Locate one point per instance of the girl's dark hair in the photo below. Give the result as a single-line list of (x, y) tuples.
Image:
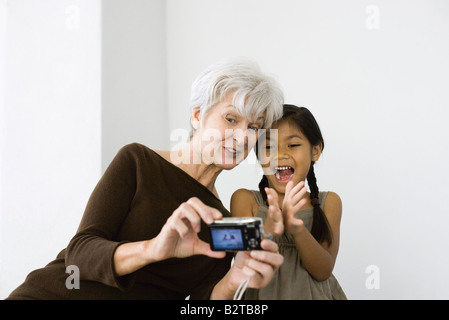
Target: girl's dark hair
[(303, 119)]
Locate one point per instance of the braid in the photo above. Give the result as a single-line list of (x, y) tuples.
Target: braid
[(320, 226), (262, 185), (314, 191)]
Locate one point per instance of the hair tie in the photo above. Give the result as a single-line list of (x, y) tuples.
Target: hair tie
[(315, 201)]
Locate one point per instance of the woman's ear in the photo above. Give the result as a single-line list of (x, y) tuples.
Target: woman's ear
[(195, 119), (316, 152)]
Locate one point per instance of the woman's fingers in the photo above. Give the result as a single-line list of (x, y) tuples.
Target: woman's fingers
[(272, 259), (207, 214), (204, 248), (181, 227), (179, 237), (261, 269), (191, 213), (269, 246), (261, 265)]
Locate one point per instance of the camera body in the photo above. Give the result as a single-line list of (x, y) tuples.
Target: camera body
[(236, 234)]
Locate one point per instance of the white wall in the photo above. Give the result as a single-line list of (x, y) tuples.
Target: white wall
[(374, 73), (2, 114), (50, 128), (134, 82), (81, 79)]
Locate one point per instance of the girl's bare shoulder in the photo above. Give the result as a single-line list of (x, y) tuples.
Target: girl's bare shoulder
[(333, 204), (243, 203)]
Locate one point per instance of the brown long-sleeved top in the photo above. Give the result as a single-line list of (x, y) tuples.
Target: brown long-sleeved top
[(131, 202)]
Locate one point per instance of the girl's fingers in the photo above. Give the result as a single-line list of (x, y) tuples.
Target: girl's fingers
[(275, 220), (296, 197), (273, 205), (289, 192), (288, 189), (300, 187), (272, 197), (293, 202), (297, 207)]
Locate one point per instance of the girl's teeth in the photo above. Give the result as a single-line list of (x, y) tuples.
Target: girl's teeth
[(278, 170)]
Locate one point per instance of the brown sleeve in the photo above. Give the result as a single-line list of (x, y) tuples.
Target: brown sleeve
[(92, 248)]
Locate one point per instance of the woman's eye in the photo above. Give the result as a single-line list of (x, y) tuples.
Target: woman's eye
[(253, 128), (294, 145), (230, 120)]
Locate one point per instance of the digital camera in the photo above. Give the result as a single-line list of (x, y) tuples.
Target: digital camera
[(236, 234)]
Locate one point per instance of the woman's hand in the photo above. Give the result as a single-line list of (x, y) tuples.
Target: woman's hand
[(258, 265), (294, 199), (179, 236), (177, 239)]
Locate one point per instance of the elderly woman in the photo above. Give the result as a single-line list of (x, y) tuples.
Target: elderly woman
[(143, 234)]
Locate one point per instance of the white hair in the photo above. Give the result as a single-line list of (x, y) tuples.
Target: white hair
[(254, 92)]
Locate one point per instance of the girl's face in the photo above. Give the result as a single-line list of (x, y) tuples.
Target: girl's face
[(288, 158), (225, 136)]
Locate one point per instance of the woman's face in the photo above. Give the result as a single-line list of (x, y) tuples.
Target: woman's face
[(288, 156), (225, 135)]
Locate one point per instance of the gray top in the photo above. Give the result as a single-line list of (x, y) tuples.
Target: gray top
[(292, 281)]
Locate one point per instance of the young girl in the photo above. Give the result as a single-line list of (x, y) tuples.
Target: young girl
[(305, 225)]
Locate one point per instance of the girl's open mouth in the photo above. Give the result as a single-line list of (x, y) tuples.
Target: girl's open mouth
[(283, 174)]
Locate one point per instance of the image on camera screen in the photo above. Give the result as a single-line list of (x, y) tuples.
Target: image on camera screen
[(227, 239)]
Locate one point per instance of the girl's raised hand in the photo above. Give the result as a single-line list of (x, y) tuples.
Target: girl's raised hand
[(274, 223), (294, 199)]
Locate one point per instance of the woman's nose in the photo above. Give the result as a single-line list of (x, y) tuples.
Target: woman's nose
[(240, 137)]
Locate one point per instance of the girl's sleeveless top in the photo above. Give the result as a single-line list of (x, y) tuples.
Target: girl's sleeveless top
[(292, 281)]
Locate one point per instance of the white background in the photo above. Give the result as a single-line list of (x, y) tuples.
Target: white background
[(80, 79)]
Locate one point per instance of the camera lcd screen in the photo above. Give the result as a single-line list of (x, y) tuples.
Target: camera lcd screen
[(227, 239)]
